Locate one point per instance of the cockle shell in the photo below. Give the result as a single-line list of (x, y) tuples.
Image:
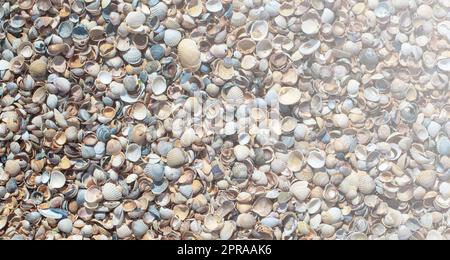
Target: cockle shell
[(172, 37), (135, 19), (289, 96), (189, 54), (111, 192), (176, 158), (246, 221), (300, 190), (57, 180)]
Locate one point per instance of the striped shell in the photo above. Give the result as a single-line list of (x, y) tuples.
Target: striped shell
[(111, 192), (159, 10), (426, 179), (176, 158), (133, 56), (172, 37)]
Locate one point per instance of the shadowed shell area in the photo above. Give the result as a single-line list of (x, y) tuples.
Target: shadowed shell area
[(224, 119)]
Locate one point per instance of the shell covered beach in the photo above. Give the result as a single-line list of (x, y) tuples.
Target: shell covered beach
[(224, 119)]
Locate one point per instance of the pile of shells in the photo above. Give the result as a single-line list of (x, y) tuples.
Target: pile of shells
[(220, 119)]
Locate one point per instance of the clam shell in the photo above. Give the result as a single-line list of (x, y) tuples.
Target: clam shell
[(259, 30), (309, 47), (57, 180), (316, 159), (135, 19), (12, 167), (300, 190), (65, 226), (176, 158), (214, 6), (38, 69), (262, 206), (139, 111), (134, 152), (246, 221), (289, 96), (159, 85), (189, 54)]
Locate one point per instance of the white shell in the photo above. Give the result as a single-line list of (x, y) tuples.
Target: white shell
[(135, 19), (159, 85), (105, 77), (172, 37), (111, 192), (57, 180), (300, 190), (189, 54), (259, 30), (316, 159), (133, 153)]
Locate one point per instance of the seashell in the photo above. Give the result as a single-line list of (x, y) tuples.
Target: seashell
[(264, 48), (444, 65), (310, 24), (213, 223), (259, 30), (426, 179), (159, 85), (57, 180), (262, 206), (111, 192), (228, 229), (4, 65), (133, 56), (65, 226), (316, 159), (105, 77), (213, 6), (133, 152), (246, 221), (135, 19), (176, 158), (139, 228), (12, 167), (139, 111), (332, 216), (443, 145), (38, 69), (309, 47), (300, 190), (159, 10), (289, 96), (172, 37), (189, 55)]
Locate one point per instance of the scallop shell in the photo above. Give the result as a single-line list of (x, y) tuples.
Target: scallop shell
[(111, 192), (189, 54), (57, 180)]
